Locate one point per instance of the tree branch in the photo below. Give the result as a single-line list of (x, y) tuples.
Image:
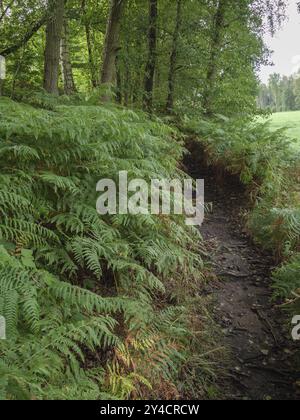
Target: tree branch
[(27, 37)]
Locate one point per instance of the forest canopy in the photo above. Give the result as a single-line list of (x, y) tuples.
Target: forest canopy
[(165, 55)]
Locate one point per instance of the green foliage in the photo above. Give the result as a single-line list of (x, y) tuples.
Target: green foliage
[(287, 282), (247, 149), (47, 324), (78, 290), (281, 94), (232, 59)]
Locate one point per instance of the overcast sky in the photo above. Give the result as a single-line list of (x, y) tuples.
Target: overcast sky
[(286, 46)]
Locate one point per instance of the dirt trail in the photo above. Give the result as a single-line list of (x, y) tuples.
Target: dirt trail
[(255, 330)]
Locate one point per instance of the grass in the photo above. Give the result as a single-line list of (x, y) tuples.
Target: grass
[(290, 120)]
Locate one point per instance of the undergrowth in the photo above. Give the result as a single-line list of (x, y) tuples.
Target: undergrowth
[(95, 307)]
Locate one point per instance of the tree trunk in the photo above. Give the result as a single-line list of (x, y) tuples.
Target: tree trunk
[(67, 71), (127, 86), (119, 95), (108, 73), (92, 66), (1, 86), (2, 73), (2, 62), (52, 51), (151, 63), (216, 44), (173, 59)]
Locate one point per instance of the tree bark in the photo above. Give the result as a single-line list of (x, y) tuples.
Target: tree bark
[(127, 85), (216, 44), (92, 66), (67, 71), (52, 51), (88, 35), (173, 59), (108, 72), (119, 93), (151, 63)]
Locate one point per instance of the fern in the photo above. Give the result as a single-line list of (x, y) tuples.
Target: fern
[(79, 291), (287, 282)]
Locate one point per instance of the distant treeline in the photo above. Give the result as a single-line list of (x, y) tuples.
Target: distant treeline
[(281, 94)]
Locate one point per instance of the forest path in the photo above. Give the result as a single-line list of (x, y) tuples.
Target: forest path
[(255, 329)]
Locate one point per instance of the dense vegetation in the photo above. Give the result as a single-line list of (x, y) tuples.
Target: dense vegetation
[(72, 283), (109, 307), (164, 54)]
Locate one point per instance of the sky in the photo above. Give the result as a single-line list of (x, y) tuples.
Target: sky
[(286, 46)]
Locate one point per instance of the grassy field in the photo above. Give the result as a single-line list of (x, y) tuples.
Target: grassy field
[(291, 120)]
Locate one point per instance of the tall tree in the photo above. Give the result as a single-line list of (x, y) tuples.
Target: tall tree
[(52, 51), (152, 54), (89, 43), (215, 47), (173, 58), (67, 71), (274, 84), (108, 72)]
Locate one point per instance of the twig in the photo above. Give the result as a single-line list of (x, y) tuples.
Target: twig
[(267, 322), (289, 302), (212, 351), (245, 375), (232, 274), (267, 369), (237, 380)]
